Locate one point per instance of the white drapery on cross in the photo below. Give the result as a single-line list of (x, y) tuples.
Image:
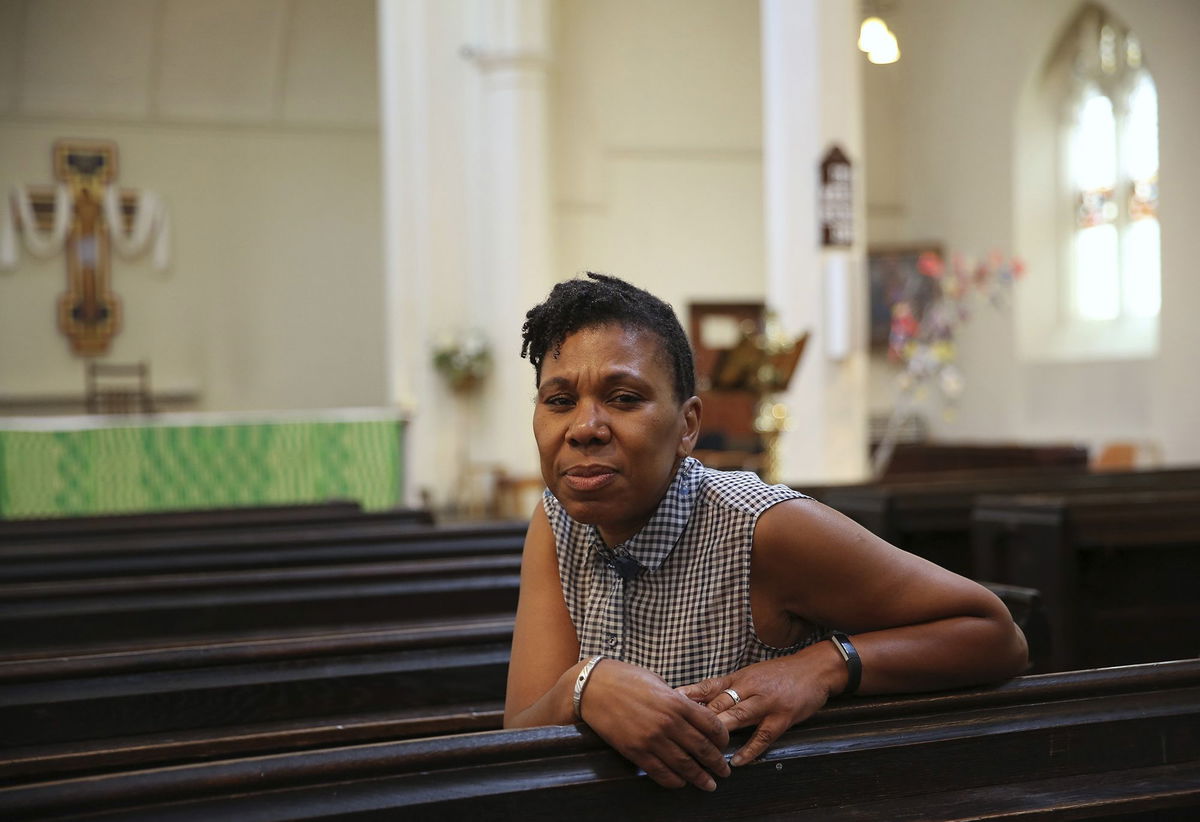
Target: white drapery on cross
[(151, 221)]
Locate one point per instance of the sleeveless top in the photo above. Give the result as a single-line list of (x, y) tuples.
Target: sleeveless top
[(675, 598)]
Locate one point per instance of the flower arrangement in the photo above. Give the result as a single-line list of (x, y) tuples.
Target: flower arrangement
[(923, 341), (463, 361), (922, 333)]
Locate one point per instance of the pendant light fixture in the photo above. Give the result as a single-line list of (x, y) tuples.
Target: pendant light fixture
[(874, 36)]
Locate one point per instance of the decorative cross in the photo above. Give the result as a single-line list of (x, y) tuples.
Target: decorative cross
[(88, 215)]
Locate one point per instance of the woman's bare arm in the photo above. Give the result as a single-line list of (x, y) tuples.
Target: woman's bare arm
[(545, 649), (916, 626)]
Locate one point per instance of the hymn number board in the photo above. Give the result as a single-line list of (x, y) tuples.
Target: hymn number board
[(836, 199)]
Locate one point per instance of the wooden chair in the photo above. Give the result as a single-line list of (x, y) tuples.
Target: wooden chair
[(1127, 455), (515, 496), (118, 388)]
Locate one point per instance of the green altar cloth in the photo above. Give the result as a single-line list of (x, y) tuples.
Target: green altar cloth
[(60, 466)]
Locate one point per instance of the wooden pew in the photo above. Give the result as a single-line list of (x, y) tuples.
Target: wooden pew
[(366, 537), (925, 458), (1085, 745), (932, 518), (55, 528), (140, 609), (155, 704), (264, 687), (1118, 572), (192, 681), (38, 763), (120, 611)]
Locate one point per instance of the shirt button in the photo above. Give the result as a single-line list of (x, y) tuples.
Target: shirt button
[(611, 641)]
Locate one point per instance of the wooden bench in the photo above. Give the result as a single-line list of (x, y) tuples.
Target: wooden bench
[(1118, 572), (172, 681), (173, 702), (1086, 745), (925, 458), (122, 610), (366, 537), (259, 685), (118, 611), (932, 518), (37, 763), (55, 528)]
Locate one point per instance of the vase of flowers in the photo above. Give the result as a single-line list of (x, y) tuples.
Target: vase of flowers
[(922, 335), (463, 360)]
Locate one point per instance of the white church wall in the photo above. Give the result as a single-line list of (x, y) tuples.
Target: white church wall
[(657, 129), (466, 246), (966, 65), (658, 123), (256, 124), (1173, 32)]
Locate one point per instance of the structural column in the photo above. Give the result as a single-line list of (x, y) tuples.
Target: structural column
[(407, 298), (513, 63), (466, 224), (811, 101)]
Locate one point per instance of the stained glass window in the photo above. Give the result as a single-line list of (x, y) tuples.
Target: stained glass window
[(1111, 146)]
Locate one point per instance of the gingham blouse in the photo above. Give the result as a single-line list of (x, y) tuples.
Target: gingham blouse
[(676, 597)]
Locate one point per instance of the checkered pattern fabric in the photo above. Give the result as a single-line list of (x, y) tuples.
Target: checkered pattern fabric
[(676, 597)]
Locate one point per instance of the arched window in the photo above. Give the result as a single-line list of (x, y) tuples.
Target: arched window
[(1110, 141), (1105, 224)]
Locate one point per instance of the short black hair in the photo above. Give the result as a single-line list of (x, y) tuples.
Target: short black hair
[(574, 305)]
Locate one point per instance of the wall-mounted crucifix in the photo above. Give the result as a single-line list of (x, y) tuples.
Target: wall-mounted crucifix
[(87, 215)]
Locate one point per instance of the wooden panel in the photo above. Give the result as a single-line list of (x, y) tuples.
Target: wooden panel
[(931, 517), (1084, 745), (1117, 571), (47, 712), (369, 537), (931, 457), (28, 530)]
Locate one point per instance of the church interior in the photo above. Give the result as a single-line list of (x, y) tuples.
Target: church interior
[(269, 260)]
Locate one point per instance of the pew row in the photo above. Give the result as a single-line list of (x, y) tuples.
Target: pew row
[(1117, 572), (252, 692), (366, 537), (53, 616), (56, 528), (95, 711), (1083, 745), (917, 459), (50, 700), (116, 612), (92, 757), (932, 518)]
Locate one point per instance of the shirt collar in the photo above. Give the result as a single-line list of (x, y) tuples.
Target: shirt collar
[(651, 546)]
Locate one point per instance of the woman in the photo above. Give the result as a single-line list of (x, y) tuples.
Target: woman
[(666, 604)]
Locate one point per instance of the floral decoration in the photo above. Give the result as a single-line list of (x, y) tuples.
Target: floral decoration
[(922, 334), (463, 361), (923, 340)]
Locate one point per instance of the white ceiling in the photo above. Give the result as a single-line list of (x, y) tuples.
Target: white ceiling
[(282, 62)]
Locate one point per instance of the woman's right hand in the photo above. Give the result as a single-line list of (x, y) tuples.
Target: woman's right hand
[(674, 740)]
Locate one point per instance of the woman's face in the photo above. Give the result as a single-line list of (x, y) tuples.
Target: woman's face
[(609, 429)]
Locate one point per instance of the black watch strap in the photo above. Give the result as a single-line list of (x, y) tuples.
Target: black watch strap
[(851, 658)]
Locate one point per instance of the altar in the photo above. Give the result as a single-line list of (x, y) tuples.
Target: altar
[(62, 466)]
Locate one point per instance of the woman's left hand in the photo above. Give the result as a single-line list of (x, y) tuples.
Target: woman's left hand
[(774, 695)]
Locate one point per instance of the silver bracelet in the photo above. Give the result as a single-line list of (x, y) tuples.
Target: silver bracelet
[(581, 683)]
